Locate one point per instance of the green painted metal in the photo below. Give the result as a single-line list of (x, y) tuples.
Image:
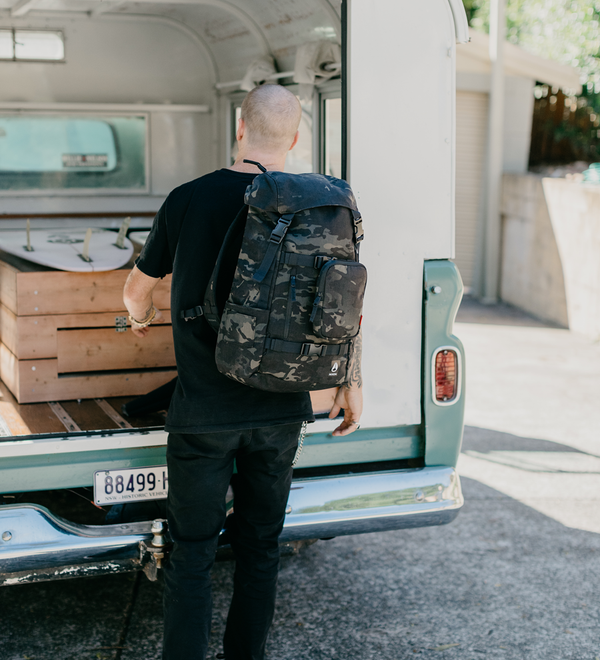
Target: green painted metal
[(363, 446), (71, 470), (443, 425), (76, 469)]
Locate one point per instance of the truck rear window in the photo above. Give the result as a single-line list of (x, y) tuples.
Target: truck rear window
[(64, 152)]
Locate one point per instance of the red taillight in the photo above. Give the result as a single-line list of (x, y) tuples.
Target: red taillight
[(446, 375)]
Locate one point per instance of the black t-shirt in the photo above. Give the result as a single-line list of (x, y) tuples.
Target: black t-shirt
[(186, 237)]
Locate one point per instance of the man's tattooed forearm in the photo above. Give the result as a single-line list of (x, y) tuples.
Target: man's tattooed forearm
[(354, 376)]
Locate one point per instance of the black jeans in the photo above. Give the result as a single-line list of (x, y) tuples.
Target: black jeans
[(200, 470)]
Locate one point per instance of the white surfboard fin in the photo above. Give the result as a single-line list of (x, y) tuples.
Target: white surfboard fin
[(28, 246), (120, 242), (85, 253)]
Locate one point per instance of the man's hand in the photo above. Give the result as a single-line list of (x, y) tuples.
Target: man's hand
[(140, 331), (137, 296), (351, 401), (349, 396)]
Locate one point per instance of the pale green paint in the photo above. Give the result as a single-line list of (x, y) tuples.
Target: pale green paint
[(443, 425), (72, 470), (363, 446)]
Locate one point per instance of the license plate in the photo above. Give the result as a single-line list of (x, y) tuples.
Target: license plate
[(131, 485)]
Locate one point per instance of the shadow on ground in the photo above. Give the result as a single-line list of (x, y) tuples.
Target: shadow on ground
[(502, 581)]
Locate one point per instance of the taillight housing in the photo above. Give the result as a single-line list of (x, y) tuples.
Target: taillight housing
[(446, 375)]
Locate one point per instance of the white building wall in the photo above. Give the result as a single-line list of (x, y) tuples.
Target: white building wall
[(472, 121), (518, 114)]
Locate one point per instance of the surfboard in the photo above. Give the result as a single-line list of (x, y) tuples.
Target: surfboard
[(139, 237), (65, 249)]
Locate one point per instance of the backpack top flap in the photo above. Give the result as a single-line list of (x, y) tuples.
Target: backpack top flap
[(284, 193)]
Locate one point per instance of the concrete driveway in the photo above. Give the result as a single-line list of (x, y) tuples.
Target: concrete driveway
[(516, 576)]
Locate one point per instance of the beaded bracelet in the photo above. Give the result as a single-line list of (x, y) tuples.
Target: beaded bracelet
[(146, 322)]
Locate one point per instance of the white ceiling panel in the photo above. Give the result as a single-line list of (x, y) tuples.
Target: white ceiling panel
[(235, 31)]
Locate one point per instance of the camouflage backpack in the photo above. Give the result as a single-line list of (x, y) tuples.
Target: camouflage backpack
[(295, 304)]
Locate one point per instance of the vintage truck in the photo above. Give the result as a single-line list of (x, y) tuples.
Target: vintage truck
[(117, 103)]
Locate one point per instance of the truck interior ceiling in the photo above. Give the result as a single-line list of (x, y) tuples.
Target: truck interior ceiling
[(105, 107)]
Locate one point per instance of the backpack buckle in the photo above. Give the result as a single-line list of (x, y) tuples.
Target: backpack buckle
[(191, 314), (312, 349), (359, 234), (280, 230)]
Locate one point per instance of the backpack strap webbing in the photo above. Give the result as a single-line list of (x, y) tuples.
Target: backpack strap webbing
[(306, 260), (277, 235), (211, 309), (299, 348)]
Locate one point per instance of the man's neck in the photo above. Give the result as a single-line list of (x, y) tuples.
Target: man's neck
[(272, 162)]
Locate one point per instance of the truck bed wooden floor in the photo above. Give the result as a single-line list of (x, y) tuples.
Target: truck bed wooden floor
[(67, 416)]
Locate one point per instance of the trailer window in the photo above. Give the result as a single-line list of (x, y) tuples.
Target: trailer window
[(6, 45), (57, 152), (32, 45)]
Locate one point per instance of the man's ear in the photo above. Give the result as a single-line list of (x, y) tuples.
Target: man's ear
[(241, 129), (295, 141)]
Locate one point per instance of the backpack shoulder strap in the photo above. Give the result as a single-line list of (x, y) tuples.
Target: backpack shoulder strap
[(210, 310)]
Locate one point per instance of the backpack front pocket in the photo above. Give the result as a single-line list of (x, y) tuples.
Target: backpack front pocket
[(337, 307), (241, 340)]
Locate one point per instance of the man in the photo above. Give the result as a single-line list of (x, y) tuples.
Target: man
[(213, 420)]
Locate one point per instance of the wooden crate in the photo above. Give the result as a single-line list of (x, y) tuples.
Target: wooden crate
[(66, 335), (27, 289)]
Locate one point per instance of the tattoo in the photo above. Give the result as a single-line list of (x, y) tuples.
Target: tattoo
[(148, 312), (147, 315), (354, 376)]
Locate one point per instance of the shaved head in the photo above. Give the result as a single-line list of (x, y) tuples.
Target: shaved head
[(271, 114)]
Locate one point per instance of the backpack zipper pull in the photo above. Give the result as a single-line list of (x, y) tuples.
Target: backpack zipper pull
[(293, 288), (315, 308)]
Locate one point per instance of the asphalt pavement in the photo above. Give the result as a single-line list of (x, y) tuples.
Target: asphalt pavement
[(514, 577)]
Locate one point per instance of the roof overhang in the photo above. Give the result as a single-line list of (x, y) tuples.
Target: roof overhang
[(474, 57)]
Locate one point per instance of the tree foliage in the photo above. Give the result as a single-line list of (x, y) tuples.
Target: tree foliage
[(567, 31)]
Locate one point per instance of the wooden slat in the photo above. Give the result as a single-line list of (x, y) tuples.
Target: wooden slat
[(32, 381), (28, 289), (9, 331), (29, 418), (13, 420), (8, 285), (113, 414), (78, 293), (103, 349), (88, 416), (30, 337), (138, 421), (64, 417)]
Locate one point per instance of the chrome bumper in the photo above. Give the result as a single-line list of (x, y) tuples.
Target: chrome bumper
[(373, 502), (36, 546)]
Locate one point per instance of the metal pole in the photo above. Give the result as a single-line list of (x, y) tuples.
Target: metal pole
[(493, 228)]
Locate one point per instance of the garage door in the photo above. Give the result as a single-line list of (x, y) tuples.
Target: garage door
[(471, 136)]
